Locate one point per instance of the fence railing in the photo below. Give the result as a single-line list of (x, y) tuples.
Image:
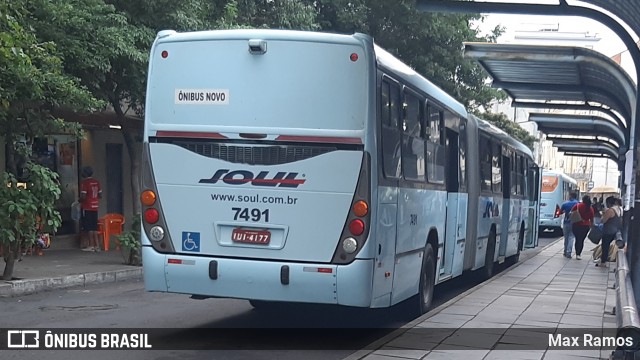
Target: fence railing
[(628, 322)]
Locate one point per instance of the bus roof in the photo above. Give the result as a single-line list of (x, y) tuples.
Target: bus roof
[(565, 177), (165, 36), (398, 68), (498, 133)]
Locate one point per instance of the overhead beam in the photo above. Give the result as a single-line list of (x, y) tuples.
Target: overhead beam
[(568, 124), (565, 88), (574, 107)]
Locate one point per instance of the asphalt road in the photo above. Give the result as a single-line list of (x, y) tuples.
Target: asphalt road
[(127, 305)]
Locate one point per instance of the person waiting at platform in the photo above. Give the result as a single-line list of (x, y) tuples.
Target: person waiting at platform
[(612, 223), (569, 238), (581, 228)]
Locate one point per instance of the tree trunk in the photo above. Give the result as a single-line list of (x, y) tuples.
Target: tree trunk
[(133, 147), (10, 260), (134, 150)]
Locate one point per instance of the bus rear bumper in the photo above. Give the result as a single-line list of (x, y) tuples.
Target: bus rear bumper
[(349, 285), (551, 223)]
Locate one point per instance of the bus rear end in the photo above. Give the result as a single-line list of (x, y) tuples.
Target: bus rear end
[(550, 202), (256, 184)]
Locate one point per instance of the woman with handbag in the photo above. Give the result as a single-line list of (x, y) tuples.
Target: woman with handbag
[(581, 228), (612, 223)]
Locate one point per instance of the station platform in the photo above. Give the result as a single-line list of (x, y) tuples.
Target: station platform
[(514, 314)]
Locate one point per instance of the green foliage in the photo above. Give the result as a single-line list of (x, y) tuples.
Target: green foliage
[(25, 213), (130, 242), (510, 127), (32, 80), (431, 43)]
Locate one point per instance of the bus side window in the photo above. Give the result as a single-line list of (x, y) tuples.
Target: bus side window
[(463, 156), (390, 113), (514, 174), (521, 175), (496, 171), (435, 148), (485, 163), (413, 154)]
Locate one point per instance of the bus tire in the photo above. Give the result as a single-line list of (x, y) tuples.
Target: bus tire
[(490, 265), (427, 280)]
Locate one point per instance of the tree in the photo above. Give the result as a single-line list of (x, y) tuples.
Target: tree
[(428, 42), (512, 128), (107, 53), (32, 84), (275, 14)]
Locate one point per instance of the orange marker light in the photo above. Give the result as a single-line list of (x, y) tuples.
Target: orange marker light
[(148, 198), (360, 208)]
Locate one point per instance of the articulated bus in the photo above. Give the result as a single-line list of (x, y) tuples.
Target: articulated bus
[(288, 166), (556, 187)]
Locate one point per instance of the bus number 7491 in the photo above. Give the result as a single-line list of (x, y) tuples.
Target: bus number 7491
[(251, 214)]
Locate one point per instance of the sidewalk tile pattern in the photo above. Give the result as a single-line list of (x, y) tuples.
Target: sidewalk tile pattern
[(544, 292)]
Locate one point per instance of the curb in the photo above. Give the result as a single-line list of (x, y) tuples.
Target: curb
[(376, 345), (32, 286)]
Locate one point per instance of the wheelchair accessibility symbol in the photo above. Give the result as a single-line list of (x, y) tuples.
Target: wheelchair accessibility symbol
[(190, 241)]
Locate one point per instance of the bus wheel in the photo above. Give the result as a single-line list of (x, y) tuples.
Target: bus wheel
[(489, 264), (427, 280)]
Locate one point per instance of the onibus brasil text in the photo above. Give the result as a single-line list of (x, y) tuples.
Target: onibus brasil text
[(95, 341)]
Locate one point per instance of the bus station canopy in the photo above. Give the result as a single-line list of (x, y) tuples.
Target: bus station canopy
[(562, 78)]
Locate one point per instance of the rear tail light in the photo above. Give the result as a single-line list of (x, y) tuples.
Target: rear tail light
[(558, 211), (148, 198), (349, 245), (356, 229), (151, 216), (154, 224), (360, 208)]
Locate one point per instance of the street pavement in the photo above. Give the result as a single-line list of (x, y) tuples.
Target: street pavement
[(62, 268), (512, 315)]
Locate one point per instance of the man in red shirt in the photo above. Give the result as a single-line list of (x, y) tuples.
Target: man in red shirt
[(90, 194)]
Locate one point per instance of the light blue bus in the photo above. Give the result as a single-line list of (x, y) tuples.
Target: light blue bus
[(287, 166), (556, 187)]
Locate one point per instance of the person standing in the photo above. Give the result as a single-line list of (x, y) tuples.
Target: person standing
[(569, 238), (597, 210), (612, 223), (581, 228), (90, 194)]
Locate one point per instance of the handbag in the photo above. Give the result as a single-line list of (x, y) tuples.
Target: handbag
[(575, 216), (595, 234)]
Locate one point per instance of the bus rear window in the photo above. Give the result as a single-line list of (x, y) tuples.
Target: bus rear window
[(549, 183)]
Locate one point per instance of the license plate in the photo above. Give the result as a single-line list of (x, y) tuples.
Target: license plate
[(246, 236)]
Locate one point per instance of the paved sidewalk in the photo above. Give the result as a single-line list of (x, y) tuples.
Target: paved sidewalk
[(521, 306), (66, 268)]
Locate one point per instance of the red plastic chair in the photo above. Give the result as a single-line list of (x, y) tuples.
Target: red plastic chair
[(110, 224)]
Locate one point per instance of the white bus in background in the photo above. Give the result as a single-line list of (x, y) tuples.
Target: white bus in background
[(556, 187), (286, 166)]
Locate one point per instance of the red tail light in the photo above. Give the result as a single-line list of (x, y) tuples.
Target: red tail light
[(356, 227), (151, 216), (558, 211)]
